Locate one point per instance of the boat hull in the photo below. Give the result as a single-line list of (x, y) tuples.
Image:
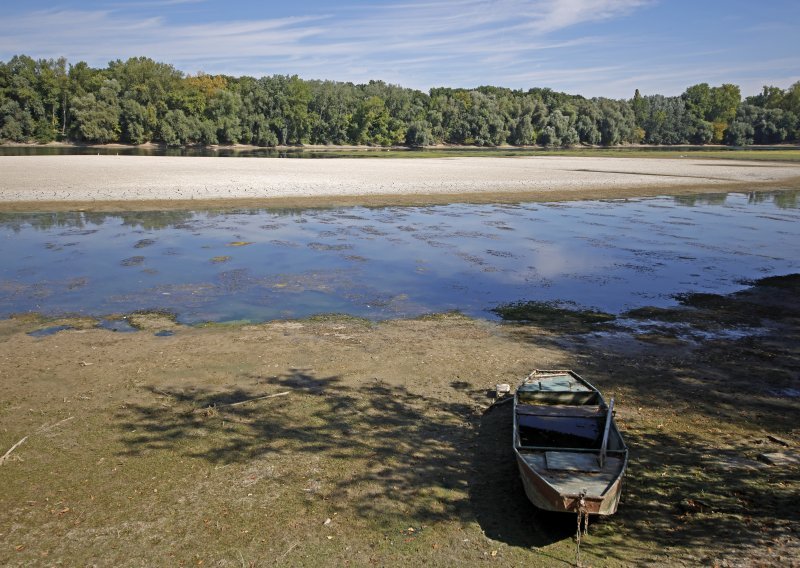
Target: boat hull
[(544, 496)]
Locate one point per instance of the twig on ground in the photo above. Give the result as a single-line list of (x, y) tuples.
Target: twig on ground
[(288, 550), (46, 428), (14, 447), (284, 393)]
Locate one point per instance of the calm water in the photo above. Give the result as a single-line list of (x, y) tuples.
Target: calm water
[(394, 262)]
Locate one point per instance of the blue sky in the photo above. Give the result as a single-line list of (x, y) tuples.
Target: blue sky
[(589, 47)]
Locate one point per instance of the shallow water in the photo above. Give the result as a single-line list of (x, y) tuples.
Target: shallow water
[(390, 262)]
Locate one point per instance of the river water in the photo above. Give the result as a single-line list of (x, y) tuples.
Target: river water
[(380, 263)]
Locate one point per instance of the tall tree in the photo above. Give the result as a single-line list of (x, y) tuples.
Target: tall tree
[(97, 117)]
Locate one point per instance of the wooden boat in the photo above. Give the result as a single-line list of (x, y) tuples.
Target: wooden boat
[(570, 453)]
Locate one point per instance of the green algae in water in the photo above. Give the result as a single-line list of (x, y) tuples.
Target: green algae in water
[(551, 316), (133, 261)]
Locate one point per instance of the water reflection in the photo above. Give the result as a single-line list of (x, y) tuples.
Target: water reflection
[(396, 261)]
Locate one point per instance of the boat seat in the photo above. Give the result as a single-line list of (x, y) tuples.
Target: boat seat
[(562, 411)]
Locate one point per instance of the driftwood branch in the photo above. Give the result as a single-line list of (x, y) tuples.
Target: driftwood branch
[(14, 447), (239, 403)]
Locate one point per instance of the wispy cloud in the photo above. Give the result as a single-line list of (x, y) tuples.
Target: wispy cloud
[(402, 36), (417, 43), (552, 15), (84, 34)]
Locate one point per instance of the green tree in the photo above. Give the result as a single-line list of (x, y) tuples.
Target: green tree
[(769, 97), (791, 99), (666, 120), (641, 109), (558, 131), (523, 133), (53, 90), (769, 125), (133, 122), (698, 99), (739, 134), (177, 129), (418, 134), (298, 123), (486, 122), (702, 132), (615, 121), (223, 112), (587, 130), (724, 104), (25, 114), (330, 110), (16, 123), (370, 124), (258, 112), (146, 81), (97, 117)]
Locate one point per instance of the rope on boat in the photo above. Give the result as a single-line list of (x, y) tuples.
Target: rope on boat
[(583, 519)]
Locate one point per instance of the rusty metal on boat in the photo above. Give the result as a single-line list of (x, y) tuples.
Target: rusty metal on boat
[(570, 454)]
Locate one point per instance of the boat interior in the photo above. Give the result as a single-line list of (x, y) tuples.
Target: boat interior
[(564, 413), (561, 425)]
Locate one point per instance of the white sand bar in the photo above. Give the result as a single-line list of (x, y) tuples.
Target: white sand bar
[(128, 178)]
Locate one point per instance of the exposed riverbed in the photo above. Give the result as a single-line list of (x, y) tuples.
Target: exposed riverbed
[(104, 182)]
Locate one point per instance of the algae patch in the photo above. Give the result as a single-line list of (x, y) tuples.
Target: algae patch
[(153, 320), (550, 315)]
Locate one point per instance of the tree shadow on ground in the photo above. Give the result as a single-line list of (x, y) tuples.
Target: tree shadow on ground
[(695, 502), (495, 489), (385, 450), (388, 452)]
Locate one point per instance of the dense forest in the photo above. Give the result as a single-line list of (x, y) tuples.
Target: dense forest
[(141, 100)]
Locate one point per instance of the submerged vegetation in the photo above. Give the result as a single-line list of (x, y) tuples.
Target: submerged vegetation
[(767, 298), (141, 100)]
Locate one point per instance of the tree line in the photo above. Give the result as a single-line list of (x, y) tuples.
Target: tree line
[(141, 100)]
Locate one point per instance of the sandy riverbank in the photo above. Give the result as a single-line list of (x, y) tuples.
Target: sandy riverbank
[(144, 181)]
